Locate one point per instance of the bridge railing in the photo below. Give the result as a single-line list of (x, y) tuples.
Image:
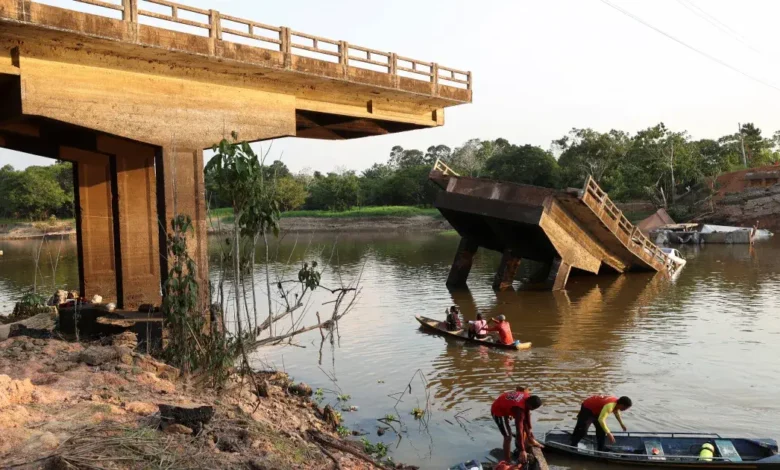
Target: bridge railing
[(288, 41), (443, 168), (612, 217)]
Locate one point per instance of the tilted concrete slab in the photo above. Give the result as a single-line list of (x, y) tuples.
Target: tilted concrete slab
[(563, 229)]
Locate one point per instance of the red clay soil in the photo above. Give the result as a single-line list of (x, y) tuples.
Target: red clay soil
[(734, 182), (69, 405)]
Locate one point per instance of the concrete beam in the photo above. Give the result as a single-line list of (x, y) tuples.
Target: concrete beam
[(157, 110), (461, 266)]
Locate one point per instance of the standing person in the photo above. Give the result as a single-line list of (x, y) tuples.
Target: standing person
[(478, 327), (503, 328), (517, 405), (596, 409)]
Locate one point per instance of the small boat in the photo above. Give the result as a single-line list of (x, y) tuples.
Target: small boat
[(436, 326), (672, 450)]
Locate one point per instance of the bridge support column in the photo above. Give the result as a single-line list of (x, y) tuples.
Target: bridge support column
[(181, 189), (505, 275), (461, 266), (559, 274), (95, 230), (135, 216)]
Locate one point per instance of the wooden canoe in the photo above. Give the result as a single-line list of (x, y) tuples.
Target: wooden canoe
[(436, 326)]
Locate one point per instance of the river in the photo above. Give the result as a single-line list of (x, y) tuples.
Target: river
[(697, 354)]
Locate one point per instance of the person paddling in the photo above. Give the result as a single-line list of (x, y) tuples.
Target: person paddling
[(503, 328), (517, 405), (596, 409)]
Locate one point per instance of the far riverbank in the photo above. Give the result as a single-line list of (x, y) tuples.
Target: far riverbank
[(415, 220)]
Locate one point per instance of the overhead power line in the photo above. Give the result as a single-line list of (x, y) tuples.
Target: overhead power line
[(721, 26), (694, 49)]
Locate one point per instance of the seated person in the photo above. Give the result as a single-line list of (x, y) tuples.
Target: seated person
[(504, 330), (478, 328), (453, 319)]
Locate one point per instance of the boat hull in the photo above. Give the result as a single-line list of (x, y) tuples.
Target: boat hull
[(675, 450), (433, 326)]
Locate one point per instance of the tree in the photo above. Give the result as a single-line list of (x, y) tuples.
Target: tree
[(291, 192), (525, 164), (277, 169), (438, 152), (400, 158), (585, 152), (238, 176), (335, 191), (469, 159)]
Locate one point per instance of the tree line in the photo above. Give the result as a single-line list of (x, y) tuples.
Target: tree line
[(656, 164), (37, 192)]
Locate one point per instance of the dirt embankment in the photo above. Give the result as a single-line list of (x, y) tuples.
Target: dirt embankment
[(420, 223), (71, 405), (747, 207), (22, 230)]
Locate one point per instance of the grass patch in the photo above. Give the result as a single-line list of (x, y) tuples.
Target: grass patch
[(226, 214)]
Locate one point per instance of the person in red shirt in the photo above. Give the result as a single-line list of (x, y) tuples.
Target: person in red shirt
[(517, 405), (503, 328), (596, 409)]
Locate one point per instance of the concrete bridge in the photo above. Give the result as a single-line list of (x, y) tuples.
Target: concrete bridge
[(560, 230), (132, 102)]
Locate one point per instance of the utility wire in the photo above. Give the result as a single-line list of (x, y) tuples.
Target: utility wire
[(721, 26), (698, 51)]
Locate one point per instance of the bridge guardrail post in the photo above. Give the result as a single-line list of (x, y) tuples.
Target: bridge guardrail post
[(286, 38), (344, 57), (435, 78), (215, 25)]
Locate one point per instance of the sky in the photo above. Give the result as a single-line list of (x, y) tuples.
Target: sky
[(541, 68)]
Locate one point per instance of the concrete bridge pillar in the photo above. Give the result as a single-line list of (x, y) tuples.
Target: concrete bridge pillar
[(559, 274), (461, 266), (95, 230), (507, 268), (127, 193)]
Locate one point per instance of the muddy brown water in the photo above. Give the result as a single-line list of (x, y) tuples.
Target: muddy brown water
[(697, 354)]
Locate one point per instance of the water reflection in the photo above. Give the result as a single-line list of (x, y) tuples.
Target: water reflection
[(696, 354)]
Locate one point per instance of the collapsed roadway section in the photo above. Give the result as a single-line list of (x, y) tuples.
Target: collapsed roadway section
[(560, 230)]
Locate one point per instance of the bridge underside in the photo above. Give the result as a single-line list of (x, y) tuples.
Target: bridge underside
[(133, 106), (555, 229)]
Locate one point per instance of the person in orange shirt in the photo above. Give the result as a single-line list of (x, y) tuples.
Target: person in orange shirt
[(503, 328)]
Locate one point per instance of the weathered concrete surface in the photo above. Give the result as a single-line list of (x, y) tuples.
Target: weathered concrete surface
[(559, 229), (133, 106), (94, 222), (188, 71)]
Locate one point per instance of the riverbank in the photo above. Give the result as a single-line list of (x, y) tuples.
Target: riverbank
[(70, 405), (414, 220)]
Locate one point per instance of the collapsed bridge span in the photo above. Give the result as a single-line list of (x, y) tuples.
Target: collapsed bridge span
[(560, 230)]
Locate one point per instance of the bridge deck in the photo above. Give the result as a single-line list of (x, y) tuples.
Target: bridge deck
[(561, 229)]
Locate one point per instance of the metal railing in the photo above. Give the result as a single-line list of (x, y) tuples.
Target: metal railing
[(632, 238), (288, 41)]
